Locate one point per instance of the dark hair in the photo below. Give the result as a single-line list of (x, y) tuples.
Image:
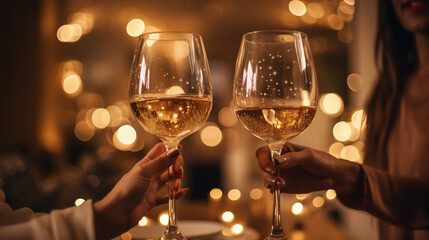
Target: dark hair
[(396, 59)]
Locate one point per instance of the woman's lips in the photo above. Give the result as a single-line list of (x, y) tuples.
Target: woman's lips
[(415, 5)]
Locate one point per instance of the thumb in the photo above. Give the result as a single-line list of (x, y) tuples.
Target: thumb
[(159, 164)]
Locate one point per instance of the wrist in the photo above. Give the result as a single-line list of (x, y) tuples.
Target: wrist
[(349, 181), (108, 221)]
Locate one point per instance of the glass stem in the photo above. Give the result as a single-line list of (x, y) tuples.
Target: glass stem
[(172, 228), (276, 231)]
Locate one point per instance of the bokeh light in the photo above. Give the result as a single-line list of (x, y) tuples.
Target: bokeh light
[(69, 33), (318, 201), (211, 135), (351, 153), (315, 10), (255, 193), (83, 131), (72, 84), (297, 208), (85, 20), (126, 236), (143, 222), (100, 118), (127, 134), (331, 194), (342, 131), (216, 193), (237, 228), (335, 149), (297, 8), (301, 196), (227, 117), (163, 219), (332, 104), (354, 82), (227, 216), (350, 2), (234, 194), (335, 22), (135, 27), (79, 202), (358, 118)]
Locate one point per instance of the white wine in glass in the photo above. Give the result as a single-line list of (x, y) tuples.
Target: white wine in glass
[(275, 94), (170, 95)]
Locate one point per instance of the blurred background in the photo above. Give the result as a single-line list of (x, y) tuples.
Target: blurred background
[(67, 133)]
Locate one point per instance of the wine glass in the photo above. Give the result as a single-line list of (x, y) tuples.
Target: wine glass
[(275, 94), (170, 95)]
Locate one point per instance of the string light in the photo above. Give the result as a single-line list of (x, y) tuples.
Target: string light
[(100, 118), (72, 84), (318, 201), (301, 196), (354, 82), (358, 118), (332, 104), (69, 33), (297, 8), (335, 149), (227, 117), (342, 131)]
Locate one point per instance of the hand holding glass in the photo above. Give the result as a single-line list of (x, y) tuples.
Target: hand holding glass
[(170, 94), (275, 94)]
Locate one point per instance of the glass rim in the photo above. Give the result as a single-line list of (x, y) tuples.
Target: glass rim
[(185, 35), (272, 32)]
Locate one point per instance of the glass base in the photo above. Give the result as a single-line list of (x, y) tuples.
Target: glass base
[(276, 234), (172, 233)]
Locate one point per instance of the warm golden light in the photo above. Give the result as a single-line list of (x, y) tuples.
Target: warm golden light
[(227, 117), (163, 219), (301, 196), (83, 131), (85, 20), (70, 66), (234, 194), (227, 216), (126, 134), (331, 194), (174, 90), (297, 8), (72, 84), (115, 115), (351, 153), (308, 19), (332, 104), (143, 222), (342, 131), (256, 193), (315, 10), (297, 208), (335, 22), (211, 135), (237, 228), (135, 27), (79, 202), (318, 201), (69, 33), (358, 118), (216, 193), (126, 236), (350, 2), (354, 82), (335, 149), (100, 118)]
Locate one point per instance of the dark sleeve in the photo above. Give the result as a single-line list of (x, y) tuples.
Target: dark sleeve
[(402, 201)]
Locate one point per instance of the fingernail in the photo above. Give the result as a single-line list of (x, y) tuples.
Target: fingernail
[(281, 182), (270, 170), (280, 160), (173, 153)]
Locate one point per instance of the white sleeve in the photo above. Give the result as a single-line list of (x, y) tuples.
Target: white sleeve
[(70, 223)]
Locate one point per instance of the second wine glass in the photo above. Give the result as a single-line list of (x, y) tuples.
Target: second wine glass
[(170, 95), (275, 94)]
